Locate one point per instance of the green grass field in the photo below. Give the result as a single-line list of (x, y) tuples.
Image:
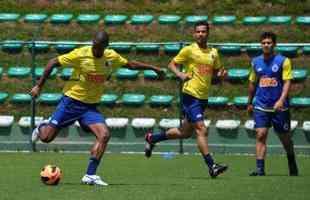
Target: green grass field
[(134, 177)]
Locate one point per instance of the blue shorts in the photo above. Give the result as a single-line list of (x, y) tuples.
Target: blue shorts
[(193, 108), (69, 110), (281, 121)]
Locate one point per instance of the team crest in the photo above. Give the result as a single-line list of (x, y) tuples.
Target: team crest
[(275, 68)]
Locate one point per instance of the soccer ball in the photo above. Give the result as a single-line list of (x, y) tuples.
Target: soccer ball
[(50, 175)]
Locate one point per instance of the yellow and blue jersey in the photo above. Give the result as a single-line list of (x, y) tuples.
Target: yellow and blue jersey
[(199, 64), (269, 76), (86, 83)]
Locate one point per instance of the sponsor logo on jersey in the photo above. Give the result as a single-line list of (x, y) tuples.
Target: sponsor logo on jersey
[(268, 82), (96, 78)]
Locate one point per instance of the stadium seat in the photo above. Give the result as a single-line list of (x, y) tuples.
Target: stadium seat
[(147, 48), (300, 102), (230, 50), (249, 128), (241, 101), (108, 99), (61, 18), (21, 98), (224, 20), (121, 47), (66, 73), (19, 72), (217, 101), (133, 100), (87, 18), (124, 73), (12, 46), (299, 74), (287, 51), (50, 98), (279, 20), (172, 48), (1, 72), (6, 123), (35, 18), (39, 47), (40, 70), (161, 100), (141, 19), (25, 123), (236, 74), (294, 125), (254, 20), (115, 19), (253, 51), (167, 123), (306, 126), (303, 20), (3, 97), (9, 17), (193, 19), (228, 128), (142, 125), (169, 19), (306, 50), (117, 126), (65, 46), (150, 74)]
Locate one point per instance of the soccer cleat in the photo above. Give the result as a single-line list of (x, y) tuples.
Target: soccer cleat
[(293, 169), (93, 180), (257, 173), (149, 146), (217, 169)]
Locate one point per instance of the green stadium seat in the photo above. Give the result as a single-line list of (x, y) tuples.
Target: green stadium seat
[(238, 74), (133, 99), (253, 51), (117, 126), (9, 17), (19, 72), (65, 46), (21, 98), (108, 99), (299, 74), (61, 18), (306, 126), (39, 47), (150, 74), (35, 18), (254, 20), (288, 51), (50, 98), (193, 19), (3, 97), (228, 128), (303, 20), (66, 73), (167, 123), (306, 50), (12, 46), (25, 123), (115, 19), (141, 19), (279, 20), (6, 124), (230, 50), (121, 47), (161, 100), (124, 73), (87, 19), (40, 70), (172, 48), (1, 72), (224, 20), (300, 102), (217, 101), (241, 101), (142, 125), (169, 19), (147, 48)]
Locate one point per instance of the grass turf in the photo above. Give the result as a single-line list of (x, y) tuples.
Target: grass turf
[(134, 177)]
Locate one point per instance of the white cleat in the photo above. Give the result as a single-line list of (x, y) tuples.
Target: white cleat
[(93, 180)]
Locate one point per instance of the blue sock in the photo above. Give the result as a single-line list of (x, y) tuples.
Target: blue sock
[(159, 137), (260, 165), (209, 160), (92, 165)]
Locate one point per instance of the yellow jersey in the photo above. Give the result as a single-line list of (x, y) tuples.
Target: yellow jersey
[(199, 64), (86, 83)]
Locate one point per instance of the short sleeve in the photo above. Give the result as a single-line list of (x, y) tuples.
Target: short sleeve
[(70, 59), (182, 56), (114, 58), (252, 76), (287, 70)]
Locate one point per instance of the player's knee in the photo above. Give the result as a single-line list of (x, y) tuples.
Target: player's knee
[(104, 137), (261, 137), (201, 130)]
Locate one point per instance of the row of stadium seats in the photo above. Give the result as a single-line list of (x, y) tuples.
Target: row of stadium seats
[(234, 74), (147, 19), (132, 99), (230, 49)]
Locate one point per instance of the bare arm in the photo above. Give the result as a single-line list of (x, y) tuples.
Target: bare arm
[(279, 104), (174, 67), (141, 65), (251, 93)]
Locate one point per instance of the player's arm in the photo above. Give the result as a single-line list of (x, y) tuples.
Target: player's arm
[(175, 64), (219, 71), (140, 65), (251, 90)]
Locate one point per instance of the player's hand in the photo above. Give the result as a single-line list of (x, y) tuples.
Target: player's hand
[(35, 91), (250, 109), (222, 73), (278, 106), (183, 76)]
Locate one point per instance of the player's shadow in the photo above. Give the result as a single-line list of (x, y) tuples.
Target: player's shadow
[(143, 184)]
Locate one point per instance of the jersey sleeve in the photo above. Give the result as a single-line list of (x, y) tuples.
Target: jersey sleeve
[(70, 59), (252, 76), (182, 56), (115, 59), (287, 73)]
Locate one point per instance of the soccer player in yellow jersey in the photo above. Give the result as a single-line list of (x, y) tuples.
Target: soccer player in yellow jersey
[(92, 65), (201, 63)]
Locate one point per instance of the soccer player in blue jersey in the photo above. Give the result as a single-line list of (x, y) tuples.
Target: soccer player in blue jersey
[(201, 63), (269, 84), (92, 67)]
